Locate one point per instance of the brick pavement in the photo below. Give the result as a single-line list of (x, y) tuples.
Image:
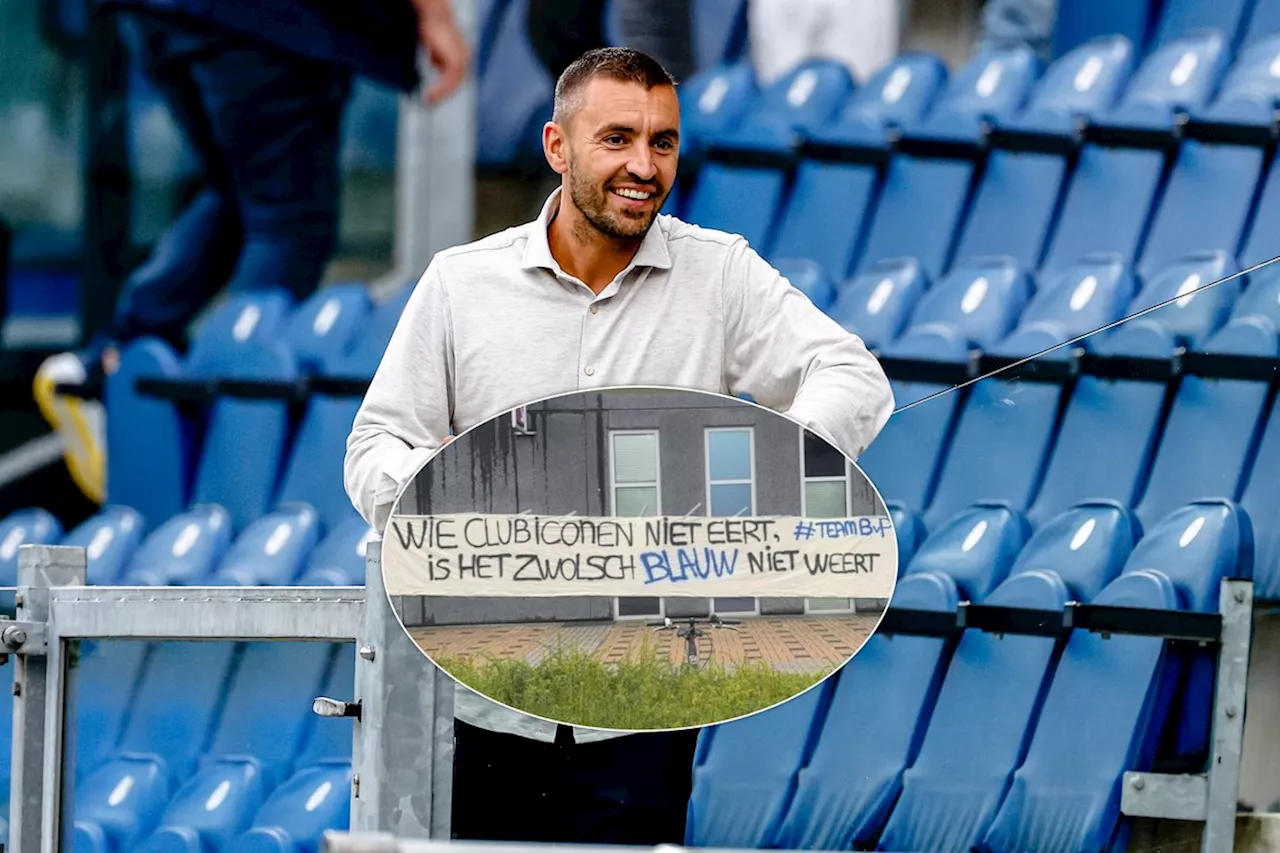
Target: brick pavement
[(790, 643)]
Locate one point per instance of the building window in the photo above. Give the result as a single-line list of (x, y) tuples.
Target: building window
[(635, 491), (825, 494), (731, 491)]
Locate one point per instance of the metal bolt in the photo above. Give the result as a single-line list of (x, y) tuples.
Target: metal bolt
[(1139, 784), (366, 652), (14, 637), (1231, 712)]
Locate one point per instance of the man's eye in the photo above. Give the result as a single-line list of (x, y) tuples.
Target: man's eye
[(614, 140)]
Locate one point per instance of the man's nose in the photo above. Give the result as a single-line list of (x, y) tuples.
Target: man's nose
[(641, 164)]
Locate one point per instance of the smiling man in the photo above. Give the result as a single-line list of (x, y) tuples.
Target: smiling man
[(600, 290)]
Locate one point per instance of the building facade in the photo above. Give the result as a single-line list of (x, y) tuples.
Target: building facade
[(635, 452)]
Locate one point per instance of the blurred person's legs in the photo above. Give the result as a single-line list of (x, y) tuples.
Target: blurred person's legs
[(265, 126), (862, 34), (560, 31)]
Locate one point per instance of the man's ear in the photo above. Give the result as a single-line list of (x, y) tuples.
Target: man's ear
[(554, 141)]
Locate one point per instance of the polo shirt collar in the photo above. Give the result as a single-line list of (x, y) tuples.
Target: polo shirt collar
[(653, 251)]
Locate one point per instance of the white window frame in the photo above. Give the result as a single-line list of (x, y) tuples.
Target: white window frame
[(613, 506), (805, 480), (751, 481)]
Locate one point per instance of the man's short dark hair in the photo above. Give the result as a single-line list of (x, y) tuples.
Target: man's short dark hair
[(614, 63)]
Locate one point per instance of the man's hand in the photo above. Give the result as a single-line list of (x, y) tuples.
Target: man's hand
[(446, 47)]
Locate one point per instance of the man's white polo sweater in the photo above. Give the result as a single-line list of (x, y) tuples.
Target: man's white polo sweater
[(496, 324)]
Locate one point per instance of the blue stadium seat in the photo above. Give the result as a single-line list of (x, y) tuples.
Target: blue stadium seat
[(883, 701), (1181, 17), (209, 811), (118, 806), (711, 102), (810, 279), (1217, 417), (1264, 22), (876, 303), (1078, 300), (110, 539), (33, 526), (991, 694), (1110, 424), (1258, 497), (107, 676), (271, 551), (824, 218), (719, 31), (298, 813), (978, 304), (744, 198), (1079, 21), (908, 530), (1017, 198), (1108, 201), (924, 197), (327, 323), (339, 559), (329, 739), (183, 551), (1197, 310), (1110, 697), (745, 775), (139, 427), (1260, 296), (513, 93)]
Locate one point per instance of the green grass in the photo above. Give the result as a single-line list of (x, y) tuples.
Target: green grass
[(647, 692)]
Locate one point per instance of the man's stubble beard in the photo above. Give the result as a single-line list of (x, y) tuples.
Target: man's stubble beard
[(592, 200)]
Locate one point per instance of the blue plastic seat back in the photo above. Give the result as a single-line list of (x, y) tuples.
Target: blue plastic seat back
[(877, 303), (1195, 310), (900, 94), (990, 87), (1264, 22), (1181, 75), (1114, 424), (297, 814), (805, 98), (1196, 546), (1259, 246), (339, 558), (1094, 725), (810, 279), (177, 703), (1259, 498), (120, 804), (979, 302), (272, 550), (711, 101), (265, 717), (33, 526), (1081, 84), (242, 321), (738, 199), (975, 548), (110, 539), (908, 529), (879, 710), (746, 774), (719, 30), (1080, 299), (1080, 21), (1086, 546), (985, 711), (208, 811), (327, 323), (1181, 17), (1009, 421), (513, 94), (234, 473), (825, 214), (329, 738), (108, 674), (1261, 296), (1249, 91), (1217, 178), (183, 551), (1211, 429)]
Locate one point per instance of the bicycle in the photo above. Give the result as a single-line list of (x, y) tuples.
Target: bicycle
[(690, 632)]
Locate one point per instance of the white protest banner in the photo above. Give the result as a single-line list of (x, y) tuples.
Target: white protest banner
[(534, 555)]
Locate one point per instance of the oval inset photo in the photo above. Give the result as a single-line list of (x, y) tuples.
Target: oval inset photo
[(639, 559)]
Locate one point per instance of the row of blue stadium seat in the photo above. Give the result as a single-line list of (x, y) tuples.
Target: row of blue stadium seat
[(989, 743)]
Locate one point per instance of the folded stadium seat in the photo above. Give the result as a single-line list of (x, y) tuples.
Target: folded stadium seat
[(1181, 17), (514, 96), (929, 181), (154, 445), (107, 677), (1080, 299), (1212, 428), (312, 472), (711, 103), (259, 734), (170, 720), (1190, 310), (1027, 168), (907, 530), (990, 697), (327, 323), (33, 526), (745, 775), (883, 701), (1120, 167), (977, 304), (339, 559), (272, 550), (810, 279), (1080, 21), (183, 551), (1209, 197), (1111, 696), (1264, 22), (843, 163), (317, 796), (741, 184), (876, 303), (110, 538)]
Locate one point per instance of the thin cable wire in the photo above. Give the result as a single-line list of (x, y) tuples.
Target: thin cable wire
[(1079, 338)]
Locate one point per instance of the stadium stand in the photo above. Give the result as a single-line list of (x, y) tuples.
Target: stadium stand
[(959, 222)]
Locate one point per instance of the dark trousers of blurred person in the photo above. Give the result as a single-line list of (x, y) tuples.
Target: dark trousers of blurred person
[(632, 789), (562, 30)]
